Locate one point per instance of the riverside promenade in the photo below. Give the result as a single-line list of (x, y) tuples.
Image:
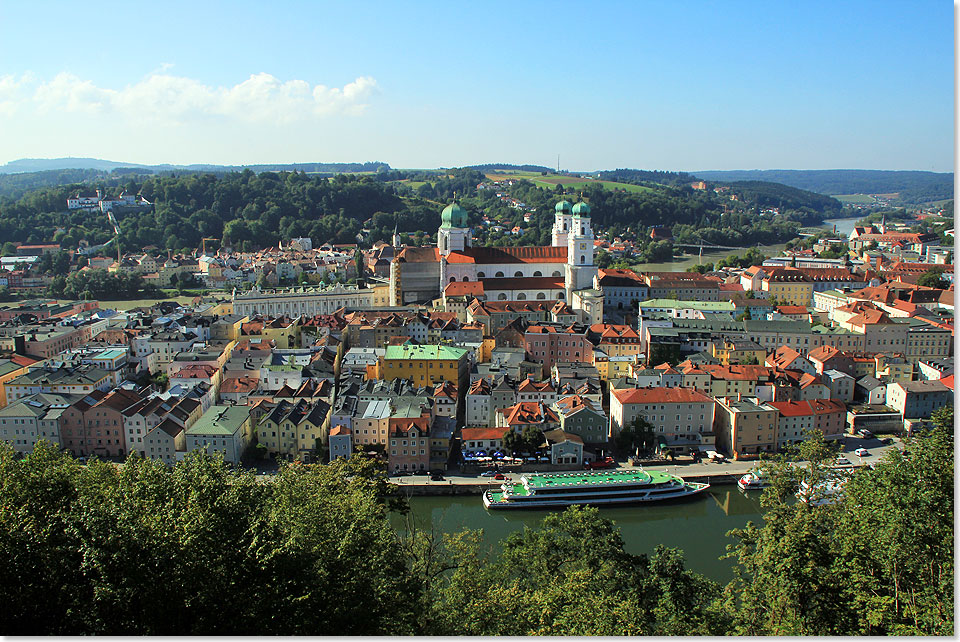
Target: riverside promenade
[(716, 474)]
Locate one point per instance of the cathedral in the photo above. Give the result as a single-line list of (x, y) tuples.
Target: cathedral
[(563, 271)]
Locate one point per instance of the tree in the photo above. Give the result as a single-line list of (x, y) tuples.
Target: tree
[(878, 561), (639, 435), (9, 249), (933, 278)]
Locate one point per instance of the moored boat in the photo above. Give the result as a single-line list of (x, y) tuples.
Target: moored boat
[(596, 488), (753, 481)]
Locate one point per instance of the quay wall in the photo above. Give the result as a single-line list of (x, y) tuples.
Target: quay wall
[(429, 489)]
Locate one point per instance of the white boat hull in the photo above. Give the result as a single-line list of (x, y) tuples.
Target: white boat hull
[(614, 499)]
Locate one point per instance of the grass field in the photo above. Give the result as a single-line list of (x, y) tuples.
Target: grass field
[(550, 181), (855, 199)]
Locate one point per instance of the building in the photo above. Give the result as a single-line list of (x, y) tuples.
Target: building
[(222, 429), (340, 442), (306, 301), (682, 418), (797, 418), (425, 364), (580, 417), (746, 427), (487, 440), (918, 399)]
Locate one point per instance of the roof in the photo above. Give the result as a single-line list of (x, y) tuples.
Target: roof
[(477, 434), (792, 309), (410, 351), (498, 255), (660, 395), (808, 408), (220, 420), (529, 412), (464, 288)]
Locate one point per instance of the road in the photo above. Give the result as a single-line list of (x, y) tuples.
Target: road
[(851, 443)]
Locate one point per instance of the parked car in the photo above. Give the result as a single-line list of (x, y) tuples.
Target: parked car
[(499, 476), (866, 434), (436, 477), (843, 461), (861, 452), (886, 441), (489, 473)]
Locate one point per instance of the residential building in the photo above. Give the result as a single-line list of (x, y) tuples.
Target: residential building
[(798, 418), (222, 429), (682, 418), (746, 427), (918, 399)]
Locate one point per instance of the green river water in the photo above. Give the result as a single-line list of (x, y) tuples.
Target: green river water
[(698, 527)]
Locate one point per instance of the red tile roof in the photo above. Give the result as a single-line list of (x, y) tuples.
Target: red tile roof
[(809, 408), (464, 288), (494, 255), (477, 434), (661, 395)]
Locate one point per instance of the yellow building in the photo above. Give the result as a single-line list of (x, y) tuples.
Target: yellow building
[(283, 330), (425, 364), (738, 352), (788, 286), (746, 427), (10, 369), (295, 430)]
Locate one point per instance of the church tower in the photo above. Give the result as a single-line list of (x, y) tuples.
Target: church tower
[(580, 269), (561, 224), (454, 234)]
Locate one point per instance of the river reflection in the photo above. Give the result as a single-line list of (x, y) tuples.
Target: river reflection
[(698, 526)]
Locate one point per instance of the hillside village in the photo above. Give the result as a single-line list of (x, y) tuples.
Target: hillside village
[(455, 357)]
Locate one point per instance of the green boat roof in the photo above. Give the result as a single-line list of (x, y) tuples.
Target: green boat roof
[(589, 478)]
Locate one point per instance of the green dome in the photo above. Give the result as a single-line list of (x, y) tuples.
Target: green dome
[(453, 216), (563, 206), (581, 209)]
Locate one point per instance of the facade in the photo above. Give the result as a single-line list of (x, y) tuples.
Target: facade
[(918, 399), (302, 301), (683, 417), (340, 442), (222, 429), (796, 418), (425, 364), (746, 427)]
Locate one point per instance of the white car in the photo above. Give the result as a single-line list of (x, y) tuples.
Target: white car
[(843, 461), (861, 452)]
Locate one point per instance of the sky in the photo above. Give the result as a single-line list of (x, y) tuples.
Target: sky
[(641, 84)]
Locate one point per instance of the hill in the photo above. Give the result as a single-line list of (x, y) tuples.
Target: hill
[(911, 186), (24, 165)]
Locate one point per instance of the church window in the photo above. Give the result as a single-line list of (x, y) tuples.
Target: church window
[(452, 279), (538, 273), (518, 273), (481, 275), (541, 295), (499, 275), (560, 295), (583, 259), (501, 297), (521, 297), (557, 273), (466, 278)]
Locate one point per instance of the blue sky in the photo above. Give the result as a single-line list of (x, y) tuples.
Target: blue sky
[(654, 85)]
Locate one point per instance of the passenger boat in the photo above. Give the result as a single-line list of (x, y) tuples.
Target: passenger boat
[(596, 488), (753, 481), (822, 494)]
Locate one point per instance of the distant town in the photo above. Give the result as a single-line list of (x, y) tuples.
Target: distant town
[(449, 356)]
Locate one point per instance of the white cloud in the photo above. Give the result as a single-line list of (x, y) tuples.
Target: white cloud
[(262, 98)]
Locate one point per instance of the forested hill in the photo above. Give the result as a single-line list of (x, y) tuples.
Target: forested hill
[(912, 186), (766, 194), (490, 167), (47, 164)]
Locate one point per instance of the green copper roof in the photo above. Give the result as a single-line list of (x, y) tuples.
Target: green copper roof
[(581, 209), (453, 216), (424, 352), (563, 206), (220, 420)]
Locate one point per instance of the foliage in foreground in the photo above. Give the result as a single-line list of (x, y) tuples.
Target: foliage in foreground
[(200, 548)]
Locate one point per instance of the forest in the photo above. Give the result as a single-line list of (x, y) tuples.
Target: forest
[(204, 548), (249, 210), (913, 186)]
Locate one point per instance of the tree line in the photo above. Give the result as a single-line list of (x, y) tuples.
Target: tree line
[(204, 548)]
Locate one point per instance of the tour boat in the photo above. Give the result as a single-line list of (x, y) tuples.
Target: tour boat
[(596, 488), (752, 481), (822, 494)]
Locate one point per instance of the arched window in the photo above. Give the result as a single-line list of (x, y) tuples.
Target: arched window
[(501, 297), (557, 273), (466, 278), (538, 273), (521, 297), (560, 295), (499, 275), (583, 259), (564, 227), (481, 275), (452, 279), (518, 273), (541, 295)]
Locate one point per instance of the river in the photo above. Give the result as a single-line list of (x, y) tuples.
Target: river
[(698, 527), (844, 225)]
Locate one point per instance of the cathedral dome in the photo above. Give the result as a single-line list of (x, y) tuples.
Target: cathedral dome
[(563, 206), (581, 209), (453, 216)]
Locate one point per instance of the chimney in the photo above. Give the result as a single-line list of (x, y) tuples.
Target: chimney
[(739, 396)]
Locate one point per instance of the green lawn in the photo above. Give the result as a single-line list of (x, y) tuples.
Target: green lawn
[(550, 181), (855, 199)]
